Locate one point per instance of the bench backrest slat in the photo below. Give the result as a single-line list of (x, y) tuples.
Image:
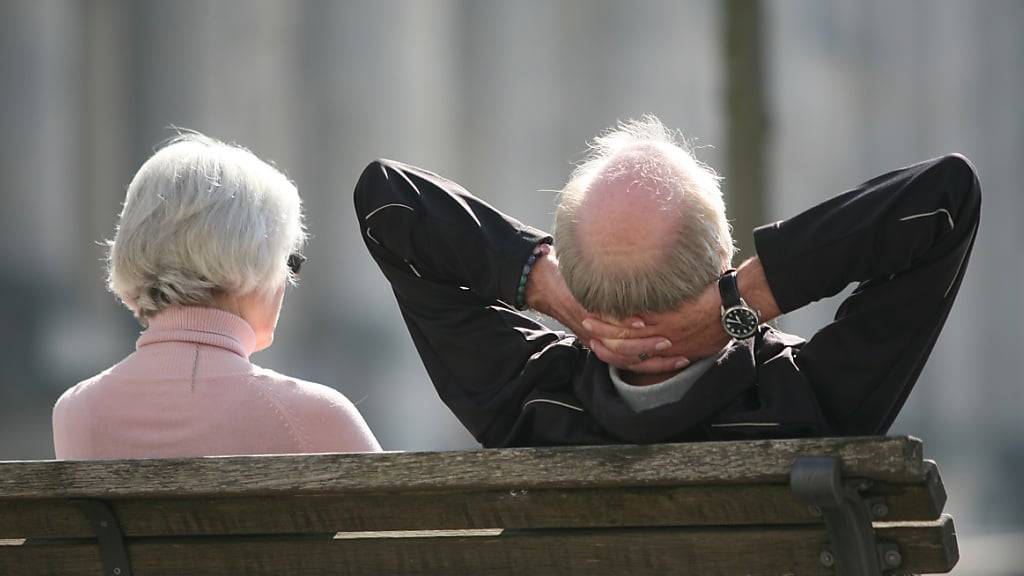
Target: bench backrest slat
[(434, 510), (710, 508), (636, 552), (895, 459)]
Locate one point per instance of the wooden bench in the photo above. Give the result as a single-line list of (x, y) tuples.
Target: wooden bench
[(822, 506)]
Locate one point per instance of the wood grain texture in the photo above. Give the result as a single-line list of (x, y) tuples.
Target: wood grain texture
[(937, 543), (637, 552), (713, 508), (934, 482), (431, 510), (895, 459)]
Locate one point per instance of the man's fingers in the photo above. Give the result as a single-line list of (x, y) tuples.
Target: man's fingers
[(609, 357), (654, 365), (650, 346), (601, 329), (634, 322), (659, 365)]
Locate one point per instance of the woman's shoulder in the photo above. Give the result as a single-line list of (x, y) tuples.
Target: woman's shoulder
[(81, 392), (337, 423), (75, 412), (297, 389)]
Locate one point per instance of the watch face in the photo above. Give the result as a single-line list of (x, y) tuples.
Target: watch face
[(739, 322)]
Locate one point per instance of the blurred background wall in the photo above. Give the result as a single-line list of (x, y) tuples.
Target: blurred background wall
[(502, 96)]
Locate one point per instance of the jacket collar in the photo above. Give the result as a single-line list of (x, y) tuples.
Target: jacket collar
[(207, 326), (732, 373)]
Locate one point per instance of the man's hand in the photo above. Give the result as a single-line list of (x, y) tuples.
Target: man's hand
[(695, 328), (547, 293)]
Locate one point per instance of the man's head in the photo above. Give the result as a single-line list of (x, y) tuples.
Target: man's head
[(640, 227)]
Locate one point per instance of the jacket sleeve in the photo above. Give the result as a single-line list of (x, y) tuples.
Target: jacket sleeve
[(454, 264), (905, 238)]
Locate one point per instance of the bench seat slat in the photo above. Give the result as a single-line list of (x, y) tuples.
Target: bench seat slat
[(590, 507), (926, 548), (896, 459)]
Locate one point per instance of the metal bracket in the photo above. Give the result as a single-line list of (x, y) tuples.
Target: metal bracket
[(852, 550), (108, 534)]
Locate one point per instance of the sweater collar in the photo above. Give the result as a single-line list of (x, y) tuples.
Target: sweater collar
[(641, 398), (200, 326), (732, 372)]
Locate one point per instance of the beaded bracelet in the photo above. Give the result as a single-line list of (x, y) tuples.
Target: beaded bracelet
[(539, 251)]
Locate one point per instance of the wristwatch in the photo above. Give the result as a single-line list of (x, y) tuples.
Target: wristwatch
[(739, 320)]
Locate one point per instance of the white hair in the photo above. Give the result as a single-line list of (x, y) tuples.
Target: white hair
[(701, 250), (202, 219)]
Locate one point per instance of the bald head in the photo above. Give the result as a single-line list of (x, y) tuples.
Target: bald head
[(640, 227), (630, 211)]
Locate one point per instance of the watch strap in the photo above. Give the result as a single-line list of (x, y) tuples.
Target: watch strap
[(728, 289)]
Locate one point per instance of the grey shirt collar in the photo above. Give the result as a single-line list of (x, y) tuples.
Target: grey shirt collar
[(640, 398)]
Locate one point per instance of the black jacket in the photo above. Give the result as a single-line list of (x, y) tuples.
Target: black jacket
[(454, 263)]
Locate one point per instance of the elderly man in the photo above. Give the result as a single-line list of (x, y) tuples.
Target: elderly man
[(671, 344)]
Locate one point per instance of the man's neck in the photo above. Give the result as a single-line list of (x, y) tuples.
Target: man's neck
[(637, 379), (653, 390)]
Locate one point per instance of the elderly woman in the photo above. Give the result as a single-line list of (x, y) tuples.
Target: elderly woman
[(207, 241)]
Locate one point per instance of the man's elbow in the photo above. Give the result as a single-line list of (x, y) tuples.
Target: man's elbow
[(958, 170), (371, 182)]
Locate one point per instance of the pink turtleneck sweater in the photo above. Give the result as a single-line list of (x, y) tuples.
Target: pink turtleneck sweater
[(189, 389)]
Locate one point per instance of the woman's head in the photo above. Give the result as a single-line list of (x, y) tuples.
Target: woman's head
[(204, 223)]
